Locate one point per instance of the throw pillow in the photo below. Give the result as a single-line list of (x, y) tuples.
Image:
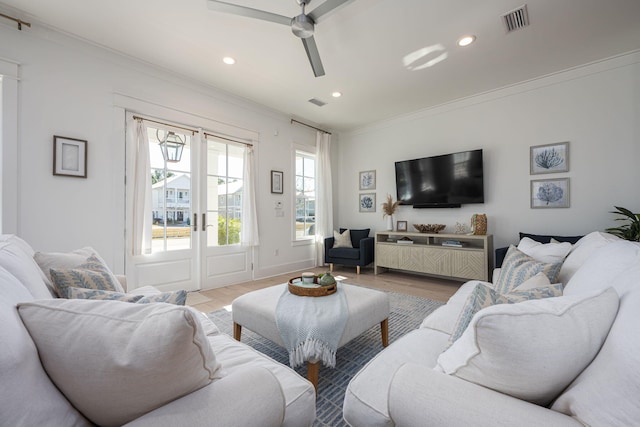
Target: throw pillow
[(82, 278), (582, 250), (342, 240), (85, 258), (171, 297), (71, 292), (532, 350), (519, 267), (550, 253), (357, 235), (483, 297), (116, 361)]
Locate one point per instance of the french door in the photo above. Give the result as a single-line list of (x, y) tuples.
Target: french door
[(196, 211)]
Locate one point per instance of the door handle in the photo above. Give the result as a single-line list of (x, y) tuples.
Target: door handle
[(195, 222), (204, 222)]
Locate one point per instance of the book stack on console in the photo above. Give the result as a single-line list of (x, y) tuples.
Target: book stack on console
[(405, 241), (453, 243)]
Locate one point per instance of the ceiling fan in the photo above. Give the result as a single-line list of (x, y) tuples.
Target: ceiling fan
[(302, 25)]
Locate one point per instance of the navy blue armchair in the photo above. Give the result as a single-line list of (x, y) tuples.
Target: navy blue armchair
[(360, 255)]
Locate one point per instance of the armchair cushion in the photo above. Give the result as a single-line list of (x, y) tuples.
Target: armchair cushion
[(342, 239), (357, 235)]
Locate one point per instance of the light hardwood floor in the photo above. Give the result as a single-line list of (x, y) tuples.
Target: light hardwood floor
[(411, 284)]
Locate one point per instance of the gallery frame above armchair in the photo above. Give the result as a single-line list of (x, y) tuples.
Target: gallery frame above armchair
[(359, 253)]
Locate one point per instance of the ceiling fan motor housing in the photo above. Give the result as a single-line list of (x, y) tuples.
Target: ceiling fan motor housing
[(302, 26)]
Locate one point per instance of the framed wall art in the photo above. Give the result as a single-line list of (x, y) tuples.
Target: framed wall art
[(401, 226), (368, 180), (368, 202), (550, 193), (549, 158), (277, 178), (69, 157)]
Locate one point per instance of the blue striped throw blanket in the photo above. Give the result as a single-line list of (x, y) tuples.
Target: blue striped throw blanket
[(311, 327)]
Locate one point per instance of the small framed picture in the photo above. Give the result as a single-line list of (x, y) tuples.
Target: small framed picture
[(550, 193), (69, 157), (401, 226), (276, 182), (368, 202), (368, 180), (550, 158)]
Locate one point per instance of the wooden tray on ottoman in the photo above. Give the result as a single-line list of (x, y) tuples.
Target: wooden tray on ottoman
[(306, 291)]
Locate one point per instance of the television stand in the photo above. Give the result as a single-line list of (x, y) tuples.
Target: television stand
[(455, 256)]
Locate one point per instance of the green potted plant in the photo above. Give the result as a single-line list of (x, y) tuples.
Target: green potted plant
[(629, 231)]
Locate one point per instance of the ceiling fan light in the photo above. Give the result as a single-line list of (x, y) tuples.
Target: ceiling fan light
[(302, 26)]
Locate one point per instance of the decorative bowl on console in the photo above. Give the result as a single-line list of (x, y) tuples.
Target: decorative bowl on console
[(429, 228)]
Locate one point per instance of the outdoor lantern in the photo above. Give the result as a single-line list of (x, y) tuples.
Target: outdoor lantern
[(171, 146)]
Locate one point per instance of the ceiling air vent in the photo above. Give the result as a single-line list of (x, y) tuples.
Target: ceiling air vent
[(516, 19), (316, 101)]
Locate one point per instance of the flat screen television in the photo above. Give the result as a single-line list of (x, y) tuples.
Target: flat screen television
[(449, 180)]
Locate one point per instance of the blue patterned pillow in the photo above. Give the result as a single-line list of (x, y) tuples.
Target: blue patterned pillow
[(173, 297), (519, 267), (483, 296), (83, 293), (82, 278)]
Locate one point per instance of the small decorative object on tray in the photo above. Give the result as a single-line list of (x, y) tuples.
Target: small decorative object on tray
[(404, 241), (429, 228), (315, 289)]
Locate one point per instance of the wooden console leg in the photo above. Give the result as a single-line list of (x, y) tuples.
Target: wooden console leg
[(312, 373), (384, 330), (237, 331)]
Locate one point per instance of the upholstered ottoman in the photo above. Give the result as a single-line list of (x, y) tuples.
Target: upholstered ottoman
[(257, 311)]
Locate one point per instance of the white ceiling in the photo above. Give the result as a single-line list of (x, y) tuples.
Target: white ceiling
[(362, 45)]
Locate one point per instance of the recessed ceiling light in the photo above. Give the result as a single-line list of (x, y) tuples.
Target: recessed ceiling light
[(228, 60), (336, 94), (466, 40)]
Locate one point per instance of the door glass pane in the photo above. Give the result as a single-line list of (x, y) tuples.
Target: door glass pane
[(171, 194), (224, 192)]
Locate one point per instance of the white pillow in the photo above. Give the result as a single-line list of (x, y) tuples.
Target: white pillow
[(534, 349), (540, 280), (551, 253), (24, 268), (115, 361), (342, 240), (581, 250)]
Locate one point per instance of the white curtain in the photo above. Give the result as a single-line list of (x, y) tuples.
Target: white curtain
[(324, 194), (249, 229), (141, 188)]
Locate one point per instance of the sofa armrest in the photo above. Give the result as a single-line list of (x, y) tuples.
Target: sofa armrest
[(251, 397), (420, 396)]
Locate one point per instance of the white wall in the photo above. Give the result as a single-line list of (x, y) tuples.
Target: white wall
[(596, 108), (74, 89)]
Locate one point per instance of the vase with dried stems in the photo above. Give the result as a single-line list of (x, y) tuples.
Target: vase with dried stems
[(388, 209)]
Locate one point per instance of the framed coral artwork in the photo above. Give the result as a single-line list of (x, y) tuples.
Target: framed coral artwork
[(367, 202), (550, 193), (549, 158)]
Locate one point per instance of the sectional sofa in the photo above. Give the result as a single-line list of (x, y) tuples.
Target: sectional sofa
[(534, 355), (81, 362)]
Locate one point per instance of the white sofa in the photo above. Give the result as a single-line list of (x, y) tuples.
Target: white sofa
[(241, 386), (406, 384)]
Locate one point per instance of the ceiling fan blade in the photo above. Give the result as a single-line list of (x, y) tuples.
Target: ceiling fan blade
[(313, 55), (221, 6), (326, 7)]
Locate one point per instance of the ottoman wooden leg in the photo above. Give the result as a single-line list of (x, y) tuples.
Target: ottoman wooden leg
[(237, 331), (384, 330), (312, 373)]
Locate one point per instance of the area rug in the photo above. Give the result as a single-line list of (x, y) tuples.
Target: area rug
[(407, 313)]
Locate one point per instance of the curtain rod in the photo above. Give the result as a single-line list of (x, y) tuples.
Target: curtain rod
[(309, 126), (20, 22), (192, 130)]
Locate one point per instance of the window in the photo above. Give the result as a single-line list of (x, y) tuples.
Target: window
[(171, 216), (305, 195), (224, 186)]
